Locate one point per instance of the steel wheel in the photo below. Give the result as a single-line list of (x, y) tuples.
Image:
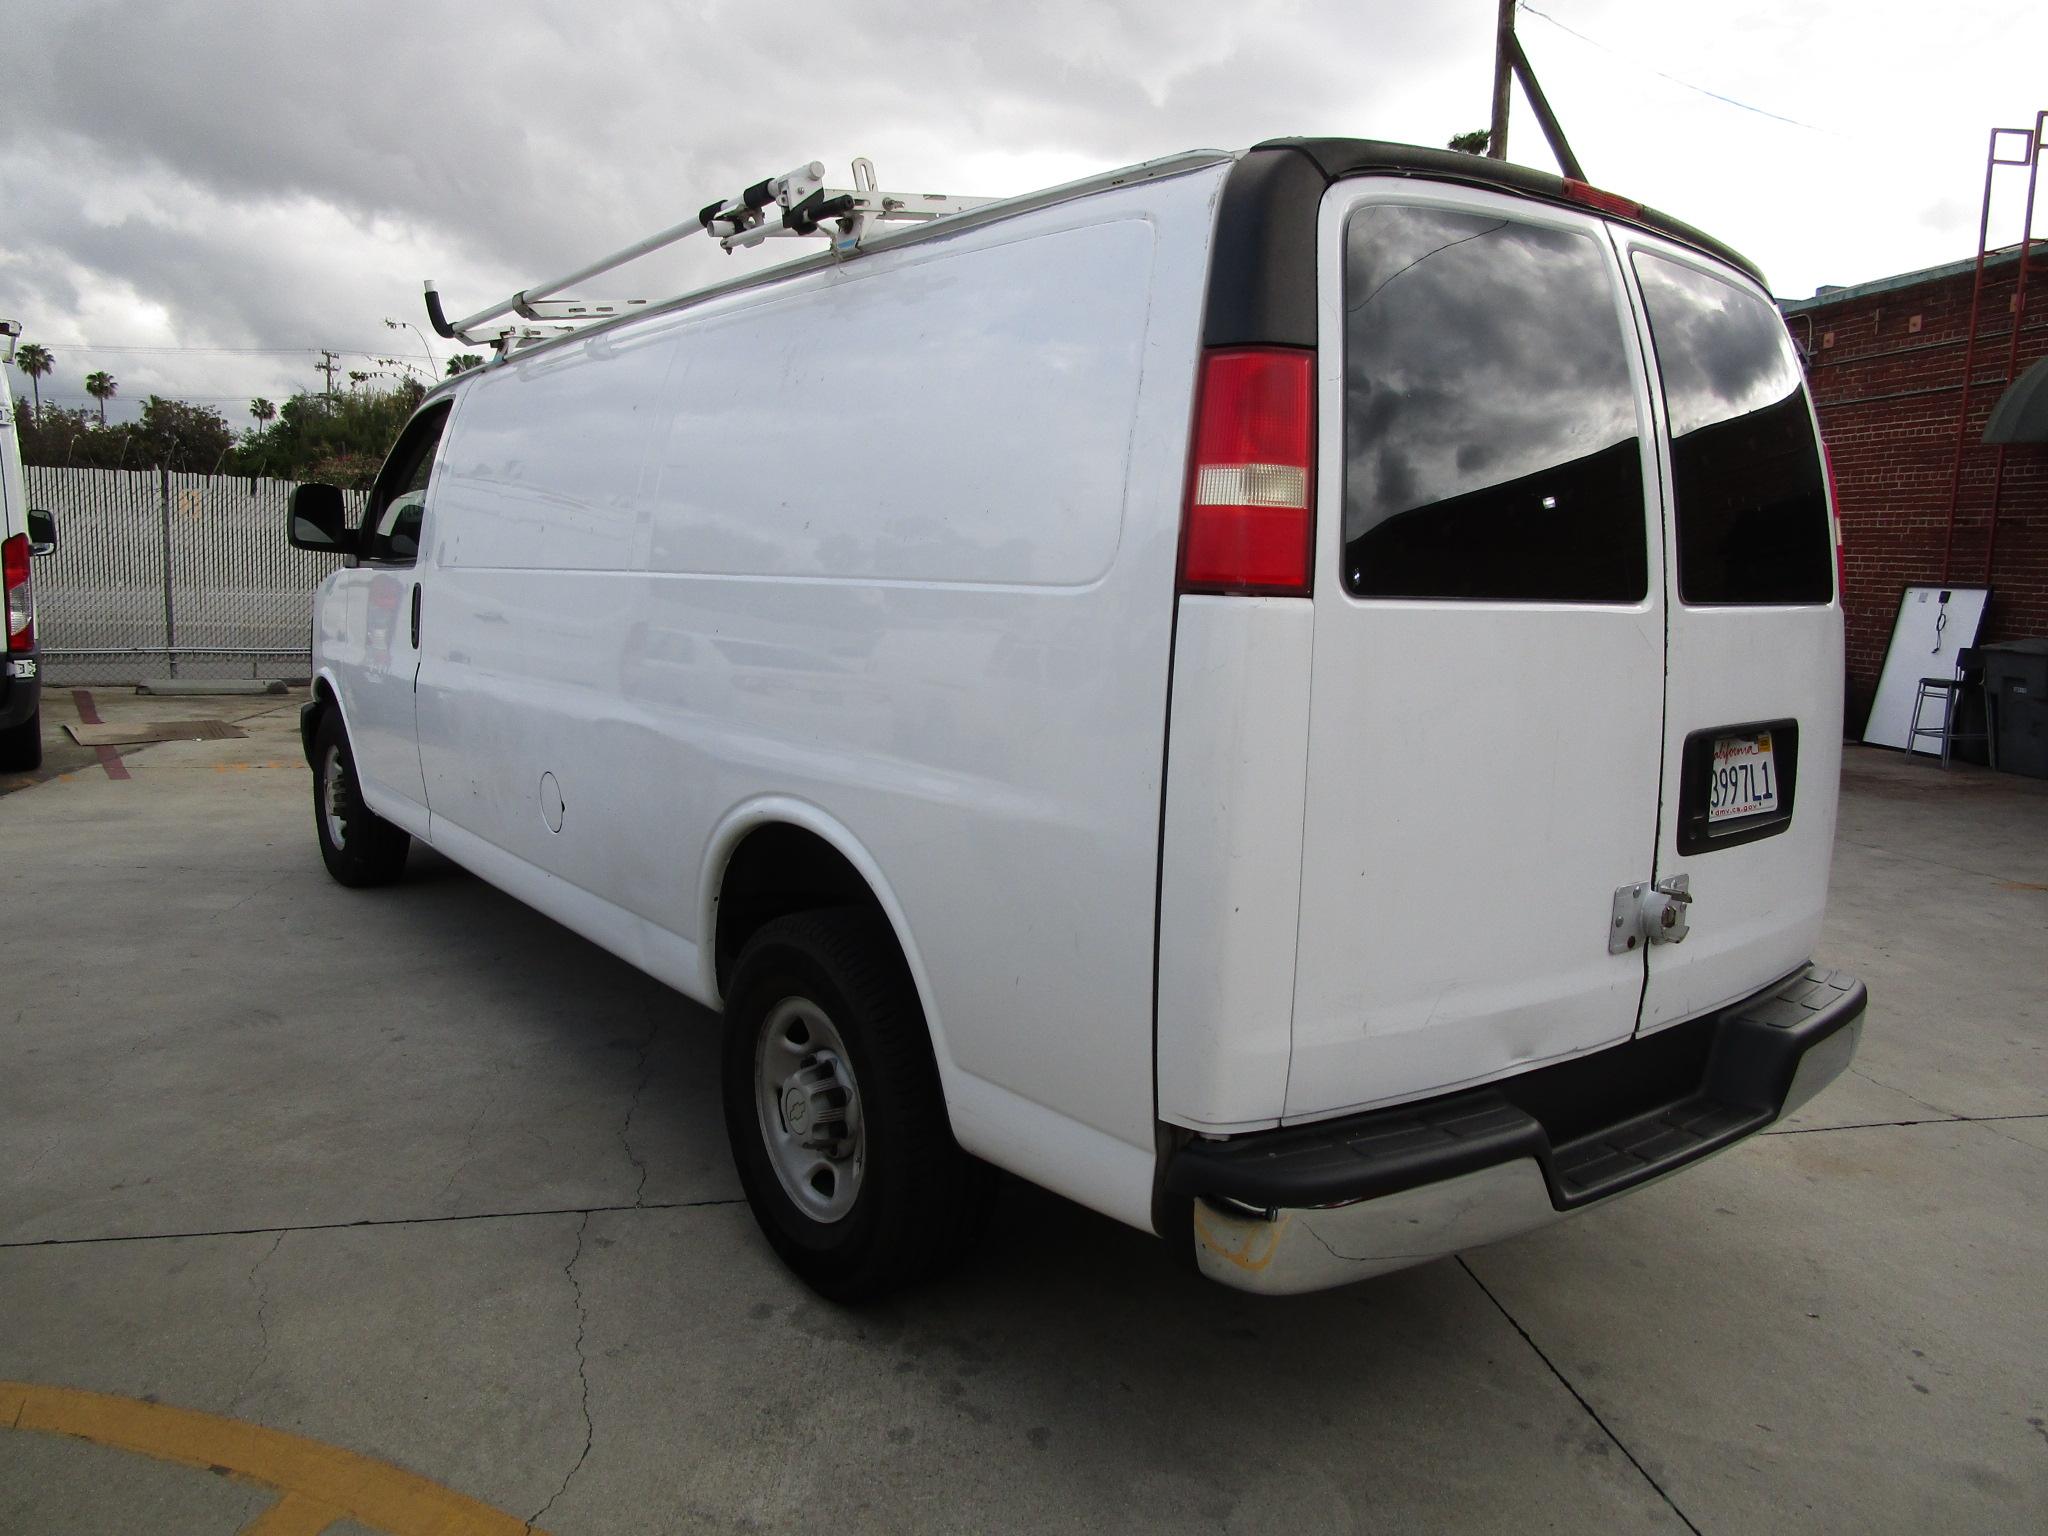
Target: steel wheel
[(808, 1105), (330, 797)]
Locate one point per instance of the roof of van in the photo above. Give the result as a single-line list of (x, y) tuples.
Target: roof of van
[(1262, 272)]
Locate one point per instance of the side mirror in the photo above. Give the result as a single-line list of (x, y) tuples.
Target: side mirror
[(42, 532), (319, 520)]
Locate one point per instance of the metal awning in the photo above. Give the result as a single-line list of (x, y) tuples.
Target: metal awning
[(2021, 415)]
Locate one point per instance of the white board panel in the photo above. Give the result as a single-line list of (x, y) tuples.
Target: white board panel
[(1933, 626)]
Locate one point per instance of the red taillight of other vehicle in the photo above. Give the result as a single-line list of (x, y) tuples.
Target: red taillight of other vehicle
[(21, 608), (1250, 502)]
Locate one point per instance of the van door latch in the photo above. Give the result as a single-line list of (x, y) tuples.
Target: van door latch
[(1650, 914)]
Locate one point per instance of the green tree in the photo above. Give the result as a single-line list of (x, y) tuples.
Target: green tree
[(462, 362), (1473, 143), (34, 359), (264, 412), (180, 436), (102, 387)]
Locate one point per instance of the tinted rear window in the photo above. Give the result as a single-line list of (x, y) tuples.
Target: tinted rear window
[(1752, 508), (1491, 446)]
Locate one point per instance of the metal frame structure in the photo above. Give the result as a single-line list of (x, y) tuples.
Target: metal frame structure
[(2036, 148), (795, 204)]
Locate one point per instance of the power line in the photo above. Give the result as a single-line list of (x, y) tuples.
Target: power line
[(1778, 117), (79, 346)]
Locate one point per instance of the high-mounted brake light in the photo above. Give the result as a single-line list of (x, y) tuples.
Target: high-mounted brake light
[(1606, 202), (1251, 482), (21, 608)]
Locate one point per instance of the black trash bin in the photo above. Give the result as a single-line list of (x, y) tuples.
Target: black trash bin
[(2016, 682)]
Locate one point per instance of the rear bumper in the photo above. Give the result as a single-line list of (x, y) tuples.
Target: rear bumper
[(20, 696), (1314, 1206)]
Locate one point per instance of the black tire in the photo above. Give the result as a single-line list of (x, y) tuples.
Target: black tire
[(21, 746), (358, 846), (919, 1202)]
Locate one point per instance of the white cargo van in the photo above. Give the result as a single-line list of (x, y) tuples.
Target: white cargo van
[(1220, 690), (24, 534)]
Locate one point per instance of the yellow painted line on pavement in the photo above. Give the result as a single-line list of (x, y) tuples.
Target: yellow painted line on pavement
[(320, 1483)]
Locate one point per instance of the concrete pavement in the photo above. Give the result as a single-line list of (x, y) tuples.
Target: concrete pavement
[(419, 1175)]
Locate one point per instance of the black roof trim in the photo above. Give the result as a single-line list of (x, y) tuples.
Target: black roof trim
[(1262, 274)]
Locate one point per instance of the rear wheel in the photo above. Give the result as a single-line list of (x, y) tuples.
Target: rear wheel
[(834, 1111), (21, 746), (358, 846)]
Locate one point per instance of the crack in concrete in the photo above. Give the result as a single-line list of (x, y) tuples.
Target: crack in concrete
[(644, 1070), (582, 1377), (262, 1322), (469, 1143), (1885, 1125), (1579, 1397), (1902, 1093), (387, 1221)]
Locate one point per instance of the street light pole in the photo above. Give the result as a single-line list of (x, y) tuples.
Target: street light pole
[(433, 367)]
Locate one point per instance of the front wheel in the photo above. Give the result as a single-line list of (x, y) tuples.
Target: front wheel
[(834, 1111), (21, 746), (358, 846)]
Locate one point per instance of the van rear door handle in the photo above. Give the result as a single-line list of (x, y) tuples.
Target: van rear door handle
[(415, 615)]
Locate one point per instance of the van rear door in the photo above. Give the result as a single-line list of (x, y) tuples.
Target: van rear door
[(1753, 705), (1486, 703)]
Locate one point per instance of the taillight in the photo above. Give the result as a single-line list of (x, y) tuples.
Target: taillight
[(1251, 482), (21, 608)]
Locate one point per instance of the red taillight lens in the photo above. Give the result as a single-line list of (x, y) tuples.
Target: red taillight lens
[(1251, 484), (1606, 202), (21, 608)]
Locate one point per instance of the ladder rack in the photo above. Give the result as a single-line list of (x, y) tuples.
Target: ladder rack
[(795, 204)]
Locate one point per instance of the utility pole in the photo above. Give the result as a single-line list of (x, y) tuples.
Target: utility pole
[(329, 361), (1503, 57)]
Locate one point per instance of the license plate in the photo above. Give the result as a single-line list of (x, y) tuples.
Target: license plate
[(1744, 781)]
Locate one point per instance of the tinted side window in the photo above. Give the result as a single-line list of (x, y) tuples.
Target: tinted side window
[(1752, 509), (392, 516), (1491, 448)]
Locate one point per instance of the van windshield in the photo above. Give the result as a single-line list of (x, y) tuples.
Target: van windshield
[(1750, 491)]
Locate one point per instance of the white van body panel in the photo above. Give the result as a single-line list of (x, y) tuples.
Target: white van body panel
[(1757, 908), (1230, 873), (1481, 777), (781, 544)]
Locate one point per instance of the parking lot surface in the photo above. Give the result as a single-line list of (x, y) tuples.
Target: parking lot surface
[(311, 1196)]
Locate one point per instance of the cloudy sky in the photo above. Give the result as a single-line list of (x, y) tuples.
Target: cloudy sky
[(197, 194)]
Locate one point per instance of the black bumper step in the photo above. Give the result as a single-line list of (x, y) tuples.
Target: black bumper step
[(1596, 1125)]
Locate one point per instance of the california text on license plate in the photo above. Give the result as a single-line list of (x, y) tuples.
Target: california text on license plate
[(1745, 778)]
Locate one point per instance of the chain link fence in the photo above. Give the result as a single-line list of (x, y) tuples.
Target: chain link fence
[(159, 575)]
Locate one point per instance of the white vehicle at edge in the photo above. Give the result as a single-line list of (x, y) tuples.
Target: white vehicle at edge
[(24, 534), (1220, 690)]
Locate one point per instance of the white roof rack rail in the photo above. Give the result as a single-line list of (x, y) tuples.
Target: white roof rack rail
[(794, 204)]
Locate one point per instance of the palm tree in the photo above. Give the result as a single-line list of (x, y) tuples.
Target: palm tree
[(34, 359), (263, 411), (101, 387), (462, 362)]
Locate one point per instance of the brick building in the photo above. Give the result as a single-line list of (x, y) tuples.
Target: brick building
[(1885, 361)]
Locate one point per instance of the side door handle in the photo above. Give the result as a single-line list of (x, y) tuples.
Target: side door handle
[(415, 615)]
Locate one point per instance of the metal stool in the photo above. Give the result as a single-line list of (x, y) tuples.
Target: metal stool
[(1969, 674)]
